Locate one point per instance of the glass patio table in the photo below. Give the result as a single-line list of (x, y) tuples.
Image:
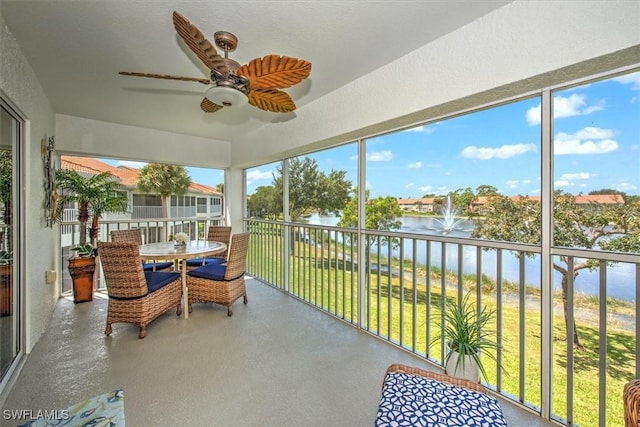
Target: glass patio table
[(193, 249)]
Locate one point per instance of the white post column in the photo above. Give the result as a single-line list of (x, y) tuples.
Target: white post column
[(234, 199)]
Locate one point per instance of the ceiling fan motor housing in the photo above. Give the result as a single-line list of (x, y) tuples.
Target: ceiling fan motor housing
[(230, 80)]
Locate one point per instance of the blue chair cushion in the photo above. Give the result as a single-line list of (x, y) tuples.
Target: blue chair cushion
[(209, 271), (158, 279), (148, 266), (197, 262)]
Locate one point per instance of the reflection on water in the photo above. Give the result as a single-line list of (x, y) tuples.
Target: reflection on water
[(620, 276)]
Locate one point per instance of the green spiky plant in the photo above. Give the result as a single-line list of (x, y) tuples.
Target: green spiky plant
[(468, 332), (95, 195)]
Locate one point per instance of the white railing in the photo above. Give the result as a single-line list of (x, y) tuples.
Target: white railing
[(182, 211), (142, 212), (153, 230), (394, 286)]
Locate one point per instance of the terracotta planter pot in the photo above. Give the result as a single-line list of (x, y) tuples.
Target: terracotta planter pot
[(81, 270)]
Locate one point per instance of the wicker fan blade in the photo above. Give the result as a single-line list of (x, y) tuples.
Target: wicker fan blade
[(275, 71), (196, 41), (208, 106), (273, 100), (167, 77)]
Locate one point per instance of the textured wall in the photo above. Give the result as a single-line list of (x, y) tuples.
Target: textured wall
[(91, 137), (21, 87)]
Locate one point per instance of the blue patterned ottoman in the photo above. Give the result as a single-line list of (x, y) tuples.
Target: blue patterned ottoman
[(410, 399)]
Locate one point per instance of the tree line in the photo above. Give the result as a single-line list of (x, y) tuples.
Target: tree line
[(610, 227)]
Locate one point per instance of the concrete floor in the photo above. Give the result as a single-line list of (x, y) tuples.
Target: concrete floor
[(275, 362)]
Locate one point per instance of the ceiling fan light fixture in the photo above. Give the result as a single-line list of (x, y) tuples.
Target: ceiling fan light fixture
[(226, 96)]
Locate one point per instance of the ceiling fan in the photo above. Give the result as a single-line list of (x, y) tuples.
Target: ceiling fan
[(258, 82)]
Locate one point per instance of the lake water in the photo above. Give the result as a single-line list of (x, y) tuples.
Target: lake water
[(620, 276)]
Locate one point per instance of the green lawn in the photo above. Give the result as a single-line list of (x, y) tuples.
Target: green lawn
[(324, 278)]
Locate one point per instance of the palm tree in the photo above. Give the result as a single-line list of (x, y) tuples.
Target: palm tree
[(95, 195), (164, 180)]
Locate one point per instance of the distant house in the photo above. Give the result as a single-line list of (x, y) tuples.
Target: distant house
[(424, 204), (428, 204), (200, 201), (603, 199)]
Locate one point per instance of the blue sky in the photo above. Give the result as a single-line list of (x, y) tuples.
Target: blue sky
[(597, 145), (596, 131)]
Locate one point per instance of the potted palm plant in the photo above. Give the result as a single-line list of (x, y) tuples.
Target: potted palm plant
[(94, 196), (467, 334)]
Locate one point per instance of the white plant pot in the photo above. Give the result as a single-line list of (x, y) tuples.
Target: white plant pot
[(467, 368)]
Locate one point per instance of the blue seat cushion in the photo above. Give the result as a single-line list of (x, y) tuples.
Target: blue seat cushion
[(148, 266), (209, 271), (158, 279), (197, 262)]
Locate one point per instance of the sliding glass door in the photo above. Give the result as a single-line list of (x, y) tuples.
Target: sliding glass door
[(11, 128)]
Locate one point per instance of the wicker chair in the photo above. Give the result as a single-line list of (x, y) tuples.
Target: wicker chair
[(134, 235), (221, 283), (216, 233), (136, 296), (631, 399)]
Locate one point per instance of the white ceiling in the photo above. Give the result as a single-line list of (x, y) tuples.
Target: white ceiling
[(77, 48)]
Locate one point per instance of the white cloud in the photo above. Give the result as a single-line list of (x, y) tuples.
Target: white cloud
[(416, 165), (409, 185), (132, 164), (632, 79), (625, 187), (569, 183), (504, 152), (574, 105), (375, 141), (516, 183), (380, 156), (586, 133), (587, 147), (572, 180), (579, 175), (428, 129), (590, 140), (415, 129), (258, 175), (533, 115), (426, 188)]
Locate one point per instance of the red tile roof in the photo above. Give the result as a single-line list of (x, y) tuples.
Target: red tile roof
[(607, 199), (482, 200), (127, 175)]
